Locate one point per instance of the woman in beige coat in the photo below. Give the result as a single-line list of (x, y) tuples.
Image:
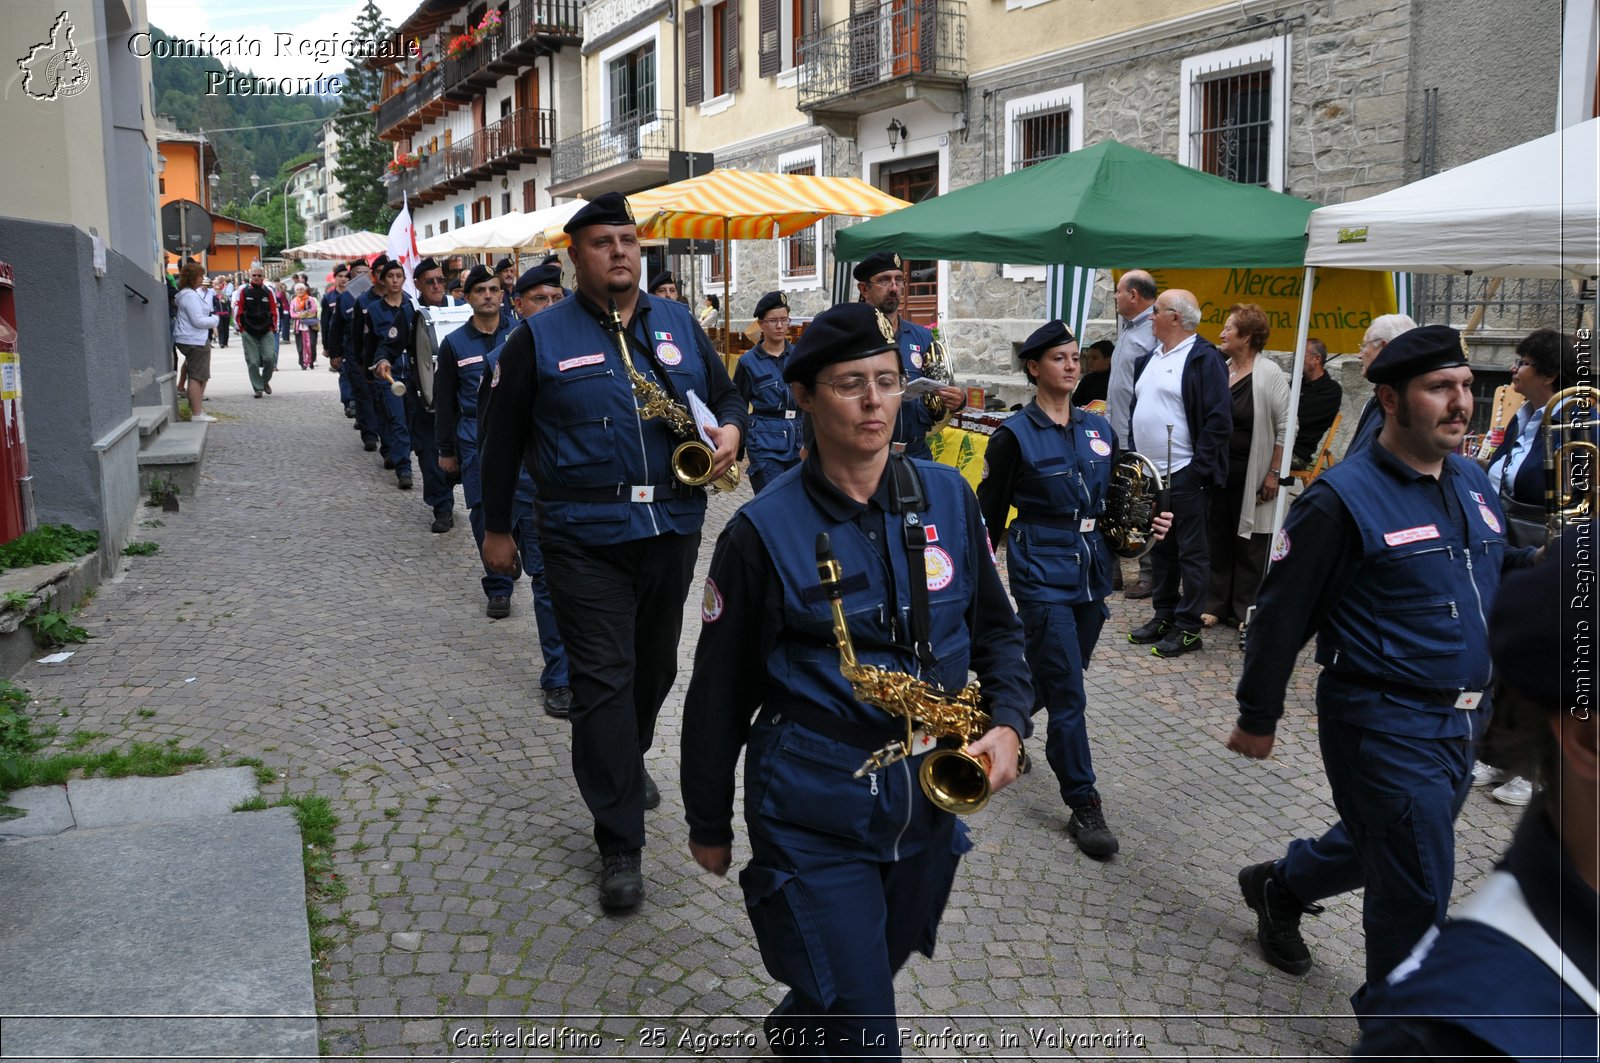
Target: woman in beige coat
[(1241, 516)]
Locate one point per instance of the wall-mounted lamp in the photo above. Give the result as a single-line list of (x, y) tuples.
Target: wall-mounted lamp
[(897, 129), (505, 182)]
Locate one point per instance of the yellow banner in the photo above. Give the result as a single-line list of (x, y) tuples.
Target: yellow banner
[(1343, 303)]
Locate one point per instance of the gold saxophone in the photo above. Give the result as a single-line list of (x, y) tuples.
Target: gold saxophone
[(692, 460), (1571, 491), (954, 779)]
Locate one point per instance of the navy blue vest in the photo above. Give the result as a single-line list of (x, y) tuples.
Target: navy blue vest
[(587, 432), (915, 420), (1065, 473), (389, 331), (774, 422), (877, 602), (474, 356), (1416, 611)]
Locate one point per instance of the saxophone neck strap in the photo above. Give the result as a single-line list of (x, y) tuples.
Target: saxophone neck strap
[(906, 499), (663, 377)]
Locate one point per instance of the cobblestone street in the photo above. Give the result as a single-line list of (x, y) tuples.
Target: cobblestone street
[(300, 611)]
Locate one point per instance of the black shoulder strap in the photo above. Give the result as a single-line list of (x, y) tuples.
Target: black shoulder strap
[(906, 500)]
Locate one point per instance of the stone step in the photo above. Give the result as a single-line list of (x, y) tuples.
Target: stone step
[(172, 921), (151, 420), (175, 453)]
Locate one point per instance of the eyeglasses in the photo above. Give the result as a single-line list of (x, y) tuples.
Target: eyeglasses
[(778, 322), (855, 386), (541, 300), (433, 280), (1518, 363)]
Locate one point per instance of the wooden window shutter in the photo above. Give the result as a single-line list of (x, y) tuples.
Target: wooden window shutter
[(693, 49), (769, 48), (733, 46)]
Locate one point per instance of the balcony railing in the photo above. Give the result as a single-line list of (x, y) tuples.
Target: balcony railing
[(501, 52), (904, 39), (636, 136), (493, 149)]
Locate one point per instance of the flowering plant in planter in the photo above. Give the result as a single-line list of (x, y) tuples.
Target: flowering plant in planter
[(404, 161)]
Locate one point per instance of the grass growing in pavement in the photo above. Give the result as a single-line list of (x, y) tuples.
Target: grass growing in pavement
[(140, 549), (323, 886)]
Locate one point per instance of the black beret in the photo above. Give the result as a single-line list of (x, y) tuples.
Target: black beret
[(532, 278), (1542, 628), (1051, 334), (338, 269), (1417, 351), (876, 263), (454, 285), (424, 266), (610, 208), (551, 260), (770, 302), (843, 333), (380, 264), (479, 274), (664, 277), (503, 265)]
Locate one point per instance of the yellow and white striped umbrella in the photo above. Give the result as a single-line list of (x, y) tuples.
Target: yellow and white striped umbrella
[(743, 205)]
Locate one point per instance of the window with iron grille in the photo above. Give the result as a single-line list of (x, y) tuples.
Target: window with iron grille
[(798, 254), (1232, 112), (1039, 127), (1040, 134)]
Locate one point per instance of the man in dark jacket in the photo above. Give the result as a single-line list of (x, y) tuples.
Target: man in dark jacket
[(1182, 418)]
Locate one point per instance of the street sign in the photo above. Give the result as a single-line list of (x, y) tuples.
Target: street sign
[(185, 227)]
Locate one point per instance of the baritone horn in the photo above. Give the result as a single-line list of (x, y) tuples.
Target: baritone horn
[(1570, 491), (954, 780)]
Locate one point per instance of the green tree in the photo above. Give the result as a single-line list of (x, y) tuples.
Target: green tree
[(362, 156)]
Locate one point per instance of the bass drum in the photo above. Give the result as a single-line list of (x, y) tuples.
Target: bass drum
[(434, 323)]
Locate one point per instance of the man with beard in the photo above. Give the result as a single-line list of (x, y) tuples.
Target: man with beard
[(1391, 558), (620, 533), (881, 280)]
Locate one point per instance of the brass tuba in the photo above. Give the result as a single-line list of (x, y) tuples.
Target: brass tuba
[(939, 366), (1137, 493), (954, 779), (1570, 491), (692, 460)]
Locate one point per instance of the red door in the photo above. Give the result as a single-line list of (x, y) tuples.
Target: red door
[(16, 486)]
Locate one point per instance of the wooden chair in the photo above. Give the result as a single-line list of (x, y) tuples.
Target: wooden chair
[(1324, 456)]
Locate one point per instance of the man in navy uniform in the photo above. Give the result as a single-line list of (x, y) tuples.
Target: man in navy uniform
[(506, 271), (335, 354), (467, 358), (620, 532), (350, 324), (438, 492), (881, 280), (390, 321), (1513, 971), (664, 285), (539, 288), (1391, 558), (847, 875), (774, 444)]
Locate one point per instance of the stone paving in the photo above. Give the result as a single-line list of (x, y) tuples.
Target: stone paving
[(300, 611)]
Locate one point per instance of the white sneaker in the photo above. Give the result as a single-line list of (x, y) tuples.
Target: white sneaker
[(1486, 774), (1518, 791), (202, 417)]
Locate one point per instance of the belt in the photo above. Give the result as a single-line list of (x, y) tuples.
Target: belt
[(618, 493), (1458, 698), (860, 735), (1063, 521)]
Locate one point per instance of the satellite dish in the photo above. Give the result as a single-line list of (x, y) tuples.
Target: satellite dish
[(185, 227)]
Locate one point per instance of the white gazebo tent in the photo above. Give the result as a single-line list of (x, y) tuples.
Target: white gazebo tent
[(510, 232), (1528, 211)]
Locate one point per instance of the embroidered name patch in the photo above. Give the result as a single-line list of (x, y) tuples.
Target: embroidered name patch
[(941, 569), (474, 360), (576, 363), (669, 354), (1411, 535), (711, 603)]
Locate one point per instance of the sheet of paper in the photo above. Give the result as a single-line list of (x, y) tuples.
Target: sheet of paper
[(57, 658), (921, 386), (703, 418)]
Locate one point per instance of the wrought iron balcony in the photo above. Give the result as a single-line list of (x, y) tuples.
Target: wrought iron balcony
[(905, 50), (519, 137), (624, 155), (533, 28)]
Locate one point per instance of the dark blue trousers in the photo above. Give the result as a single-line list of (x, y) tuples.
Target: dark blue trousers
[(1060, 640), (1181, 564), (395, 430), (761, 473), (835, 928), (1397, 797), (525, 530), (367, 419), (437, 491)]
